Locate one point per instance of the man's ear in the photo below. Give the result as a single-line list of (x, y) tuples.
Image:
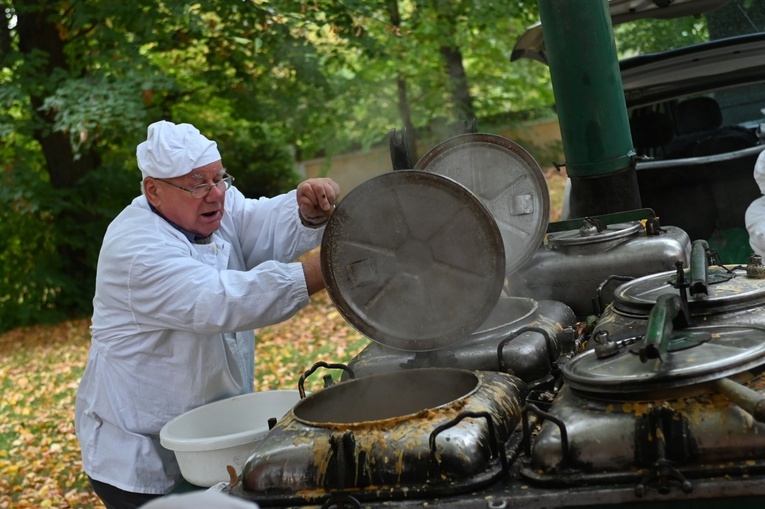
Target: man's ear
[(152, 191)]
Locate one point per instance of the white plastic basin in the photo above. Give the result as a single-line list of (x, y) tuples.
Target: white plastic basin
[(222, 433)]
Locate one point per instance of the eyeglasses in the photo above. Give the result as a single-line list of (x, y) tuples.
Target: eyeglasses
[(203, 190)]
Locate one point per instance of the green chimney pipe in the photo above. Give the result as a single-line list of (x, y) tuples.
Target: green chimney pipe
[(587, 84)]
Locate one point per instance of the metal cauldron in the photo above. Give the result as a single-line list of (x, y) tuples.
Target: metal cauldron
[(675, 403), (714, 295), (582, 266), (421, 431)]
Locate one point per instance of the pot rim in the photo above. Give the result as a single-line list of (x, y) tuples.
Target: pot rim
[(389, 420)]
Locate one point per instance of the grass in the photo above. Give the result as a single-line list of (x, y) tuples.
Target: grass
[(39, 458), (40, 368)]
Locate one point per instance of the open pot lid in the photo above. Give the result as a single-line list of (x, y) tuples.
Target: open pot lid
[(730, 289), (413, 260), (508, 181)]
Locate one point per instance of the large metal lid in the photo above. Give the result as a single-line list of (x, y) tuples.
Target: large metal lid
[(413, 260), (695, 355), (590, 234), (508, 181), (729, 289)]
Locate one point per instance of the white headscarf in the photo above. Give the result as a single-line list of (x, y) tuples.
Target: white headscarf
[(172, 150)]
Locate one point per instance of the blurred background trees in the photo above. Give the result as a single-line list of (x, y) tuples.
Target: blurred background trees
[(272, 82)]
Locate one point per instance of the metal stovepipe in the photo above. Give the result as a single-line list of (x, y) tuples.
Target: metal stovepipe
[(584, 67)]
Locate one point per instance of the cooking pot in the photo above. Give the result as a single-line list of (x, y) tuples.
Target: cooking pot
[(582, 261), (539, 332), (511, 186), (715, 295), (435, 430), (675, 402), (414, 261)]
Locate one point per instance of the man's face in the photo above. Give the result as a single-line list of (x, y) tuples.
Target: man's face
[(198, 215)]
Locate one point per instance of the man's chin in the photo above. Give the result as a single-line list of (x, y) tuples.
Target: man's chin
[(209, 224), (207, 230)]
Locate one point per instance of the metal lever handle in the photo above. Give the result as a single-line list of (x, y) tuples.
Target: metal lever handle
[(699, 269), (668, 313)]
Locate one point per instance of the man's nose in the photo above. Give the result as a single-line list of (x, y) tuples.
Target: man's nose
[(215, 193)]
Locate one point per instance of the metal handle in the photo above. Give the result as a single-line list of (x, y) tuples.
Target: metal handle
[(669, 312), (601, 306), (566, 457), (321, 364), (552, 349), (699, 269), (613, 218), (496, 449), (751, 401), (399, 150)]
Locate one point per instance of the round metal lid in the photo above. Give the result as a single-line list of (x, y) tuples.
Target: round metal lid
[(508, 181), (413, 260), (729, 289), (695, 355), (587, 236)]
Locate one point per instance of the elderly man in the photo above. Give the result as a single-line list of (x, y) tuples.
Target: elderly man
[(185, 273)]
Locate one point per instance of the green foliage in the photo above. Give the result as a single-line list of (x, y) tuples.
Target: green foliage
[(272, 82), (653, 35), (52, 241), (87, 109), (26, 286), (260, 161)]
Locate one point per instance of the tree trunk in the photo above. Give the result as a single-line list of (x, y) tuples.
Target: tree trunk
[(5, 34), (37, 32), (409, 135), (463, 101), (452, 55)]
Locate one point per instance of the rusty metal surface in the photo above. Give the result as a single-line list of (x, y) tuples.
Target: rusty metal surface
[(413, 260), (508, 181)]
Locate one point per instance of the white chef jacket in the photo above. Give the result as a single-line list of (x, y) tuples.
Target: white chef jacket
[(172, 327), (755, 213)]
